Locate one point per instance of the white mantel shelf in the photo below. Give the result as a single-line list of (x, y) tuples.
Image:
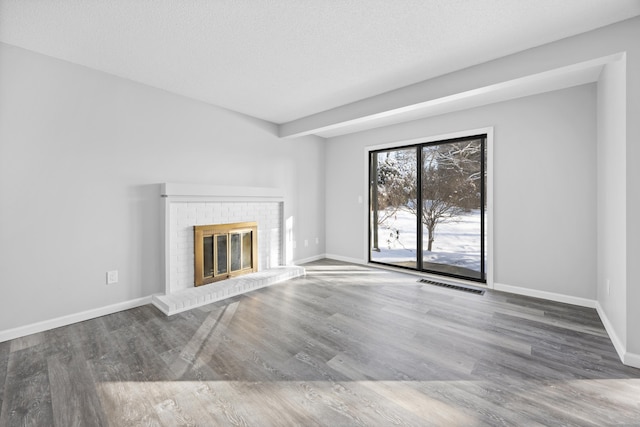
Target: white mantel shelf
[(188, 299), (220, 192)]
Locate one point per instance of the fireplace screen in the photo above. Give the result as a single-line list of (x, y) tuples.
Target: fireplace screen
[(224, 250)]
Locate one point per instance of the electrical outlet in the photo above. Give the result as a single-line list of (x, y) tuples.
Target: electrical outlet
[(317, 240), (306, 243), (112, 277)]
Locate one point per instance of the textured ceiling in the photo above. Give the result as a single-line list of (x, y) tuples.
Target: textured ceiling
[(280, 60)]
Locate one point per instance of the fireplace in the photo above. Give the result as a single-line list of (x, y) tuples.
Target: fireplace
[(222, 251), (186, 206)]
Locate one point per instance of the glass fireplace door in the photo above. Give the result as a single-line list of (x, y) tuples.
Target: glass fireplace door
[(224, 250)]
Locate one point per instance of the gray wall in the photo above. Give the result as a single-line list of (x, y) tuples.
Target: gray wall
[(81, 157), (544, 187)]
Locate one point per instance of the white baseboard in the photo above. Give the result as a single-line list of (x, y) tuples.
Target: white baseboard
[(628, 358), (46, 325), (631, 359), (551, 296), (345, 259), (330, 256), (613, 336), (310, 259)]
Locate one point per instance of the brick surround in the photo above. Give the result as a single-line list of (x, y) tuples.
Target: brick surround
[(184, 215)]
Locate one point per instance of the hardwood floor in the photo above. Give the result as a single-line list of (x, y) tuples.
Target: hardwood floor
[(345, 345)]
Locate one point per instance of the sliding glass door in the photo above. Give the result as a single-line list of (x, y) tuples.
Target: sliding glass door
[(427, 207)]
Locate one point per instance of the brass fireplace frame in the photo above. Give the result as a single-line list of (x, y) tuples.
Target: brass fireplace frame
[(215, 232)]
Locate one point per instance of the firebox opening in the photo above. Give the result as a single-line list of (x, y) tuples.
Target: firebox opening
[(222, 251)]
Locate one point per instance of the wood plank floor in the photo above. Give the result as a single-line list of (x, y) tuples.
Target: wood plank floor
[(345, 345)]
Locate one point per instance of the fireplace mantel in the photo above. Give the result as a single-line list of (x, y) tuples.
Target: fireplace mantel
[(200, 192)]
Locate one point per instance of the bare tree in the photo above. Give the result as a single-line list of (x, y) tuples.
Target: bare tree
[(450, 183)]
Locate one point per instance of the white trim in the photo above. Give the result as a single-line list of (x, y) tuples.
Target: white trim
[(551, 296), (196, 192), (489, 201), (617, 343), (489, 184), (628, 358), (345, 259), (309, 259), (631, 359), (46, 325), (366, 203), (429, 138)]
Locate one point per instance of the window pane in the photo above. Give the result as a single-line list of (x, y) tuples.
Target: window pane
[(207, 253), (246, 250), (452, 208), (221, 260), (235, 252), (393, 207)]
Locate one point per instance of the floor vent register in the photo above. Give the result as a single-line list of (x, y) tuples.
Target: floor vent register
[(468, 289)]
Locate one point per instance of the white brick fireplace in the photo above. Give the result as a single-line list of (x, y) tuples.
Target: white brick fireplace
[(186, 205)]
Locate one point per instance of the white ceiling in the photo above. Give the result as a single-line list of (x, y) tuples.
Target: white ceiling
[(281, 60)]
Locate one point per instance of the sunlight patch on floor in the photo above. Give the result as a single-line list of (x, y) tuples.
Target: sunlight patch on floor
[(385, 402), (448, 403)]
